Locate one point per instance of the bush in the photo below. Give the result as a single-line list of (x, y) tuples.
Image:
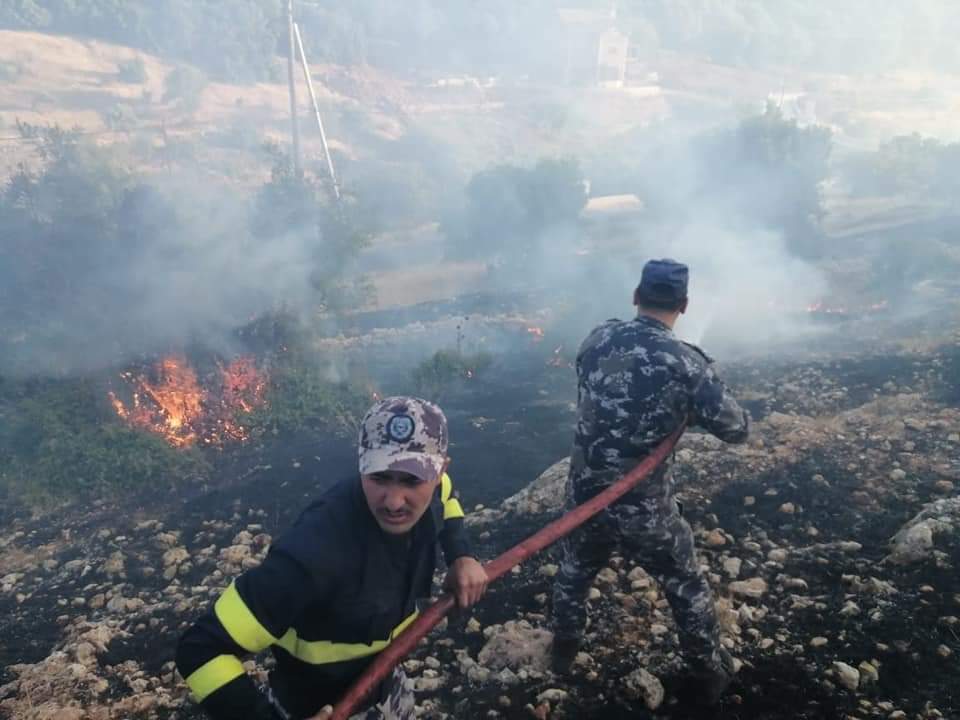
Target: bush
[(61, 439), (301, 400), (445, 370), (132, 71), (184, 85), (510, 209)]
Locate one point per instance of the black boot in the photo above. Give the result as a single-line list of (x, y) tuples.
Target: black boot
[(564, 652)]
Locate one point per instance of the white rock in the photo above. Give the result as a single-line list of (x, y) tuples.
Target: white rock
[(519, 646), (731, 566), (850, 609), (235, 554), (752, 588), (777, 555), (869, 675), (641, 684), (545, 494), (552, 695), (175, 556), (938, 521), (846, 675), (607, 576)]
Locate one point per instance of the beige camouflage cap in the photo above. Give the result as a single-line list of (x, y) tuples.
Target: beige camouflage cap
[(404, 434)]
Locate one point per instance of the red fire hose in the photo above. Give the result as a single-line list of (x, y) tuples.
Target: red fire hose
[(496, 568)]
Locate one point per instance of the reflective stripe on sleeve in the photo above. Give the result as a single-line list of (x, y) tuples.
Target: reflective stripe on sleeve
[(240, 623), (451, 506), (213, 675), (322, 652)]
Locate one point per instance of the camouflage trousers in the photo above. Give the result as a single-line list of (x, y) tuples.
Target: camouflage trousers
[(398, 703), (653, 533)]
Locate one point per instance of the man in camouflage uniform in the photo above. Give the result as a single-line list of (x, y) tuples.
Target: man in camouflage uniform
[(636, 384)]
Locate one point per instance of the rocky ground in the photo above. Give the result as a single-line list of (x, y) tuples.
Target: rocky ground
[(831, 539)]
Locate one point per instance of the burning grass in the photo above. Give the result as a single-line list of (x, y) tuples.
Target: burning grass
[(172, 402)]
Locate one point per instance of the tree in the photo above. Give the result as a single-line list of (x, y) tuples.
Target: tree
[(184, 85), (298, 205), (767, 171), (510, 210)]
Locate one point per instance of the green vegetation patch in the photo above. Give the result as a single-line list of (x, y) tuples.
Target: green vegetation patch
[(445, 370), (61, 439), (300, 399)]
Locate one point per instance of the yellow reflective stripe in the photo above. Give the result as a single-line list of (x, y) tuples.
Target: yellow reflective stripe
[(240, 623), (212, 676), (452, 510), (451, 506), (321, 652)]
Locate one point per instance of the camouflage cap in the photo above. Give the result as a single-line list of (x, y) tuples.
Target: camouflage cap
[(663, 281), (404, 434)]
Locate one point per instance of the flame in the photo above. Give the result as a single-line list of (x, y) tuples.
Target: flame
[(536, 333), (173, 403)]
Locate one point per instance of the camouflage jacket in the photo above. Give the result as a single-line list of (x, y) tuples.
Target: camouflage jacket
[(636, 382)]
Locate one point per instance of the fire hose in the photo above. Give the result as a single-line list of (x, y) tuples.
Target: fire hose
[(404, 643)]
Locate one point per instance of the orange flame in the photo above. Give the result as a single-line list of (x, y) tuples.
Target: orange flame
[(176, 406), (536, 333)]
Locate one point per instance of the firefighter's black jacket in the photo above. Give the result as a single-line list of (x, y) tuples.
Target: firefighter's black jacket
[(331, 593)]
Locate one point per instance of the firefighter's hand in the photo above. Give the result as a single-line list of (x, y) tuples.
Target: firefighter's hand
[(467, 580), (325, 712)]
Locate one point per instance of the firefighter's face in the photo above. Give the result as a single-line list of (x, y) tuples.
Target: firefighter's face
[(397, 499)]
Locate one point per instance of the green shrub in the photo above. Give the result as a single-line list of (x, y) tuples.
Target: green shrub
[(300, 399), (61, 440), (184, 86), (445, 369)]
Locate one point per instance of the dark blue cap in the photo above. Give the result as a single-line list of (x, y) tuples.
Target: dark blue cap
[(664, 282)]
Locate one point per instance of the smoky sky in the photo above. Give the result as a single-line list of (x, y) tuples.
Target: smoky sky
[(185, 266)]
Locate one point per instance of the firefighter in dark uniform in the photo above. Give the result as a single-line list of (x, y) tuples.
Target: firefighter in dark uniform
[(637, 383), (336, 588)]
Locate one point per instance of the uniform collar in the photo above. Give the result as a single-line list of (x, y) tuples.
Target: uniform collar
[(653, 322)]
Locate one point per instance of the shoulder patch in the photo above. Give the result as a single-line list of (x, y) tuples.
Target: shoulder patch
[(699, 351)]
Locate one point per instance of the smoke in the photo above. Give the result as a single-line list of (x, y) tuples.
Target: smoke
[(165, 267), (189, 260)]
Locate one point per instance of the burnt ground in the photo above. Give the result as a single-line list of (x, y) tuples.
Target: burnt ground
[(815, 453)]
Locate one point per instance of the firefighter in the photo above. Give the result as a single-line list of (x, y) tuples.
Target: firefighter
[(335, 589), (637, 383)]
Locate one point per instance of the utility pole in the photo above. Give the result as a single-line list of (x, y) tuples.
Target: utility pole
[(316, 111), (294, 123)]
